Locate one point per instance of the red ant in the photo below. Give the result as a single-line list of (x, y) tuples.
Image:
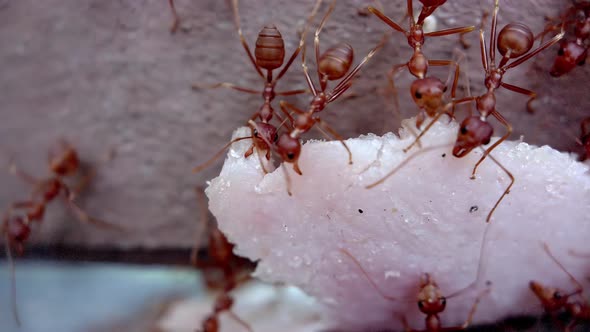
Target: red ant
[(269, 54), (555, 300), (571, 53), (431, 302), (221, 258), (426, 92), (515, 40), (16, 227), (333, 64)]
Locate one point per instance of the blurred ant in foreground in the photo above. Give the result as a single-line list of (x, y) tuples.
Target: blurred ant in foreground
[(21, 215), (220, 259)]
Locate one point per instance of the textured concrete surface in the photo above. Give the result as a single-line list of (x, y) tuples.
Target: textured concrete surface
[(107, 74)]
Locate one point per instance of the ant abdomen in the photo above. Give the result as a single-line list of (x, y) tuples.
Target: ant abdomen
[(514, 40), (270, 48), (336, 61)]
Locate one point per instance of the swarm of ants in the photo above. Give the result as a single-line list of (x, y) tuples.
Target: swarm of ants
[(280, 134)]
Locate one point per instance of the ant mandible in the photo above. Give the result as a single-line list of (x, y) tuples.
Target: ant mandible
[(333, 64), (431, 302), (17, 220), (426, 92), (269, 54), (555, 300)]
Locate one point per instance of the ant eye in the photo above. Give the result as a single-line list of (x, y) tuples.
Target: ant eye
[(581, 63), (418, 95), (290, 155), (275, 137), (443, 301), (464, 130), (557, 296), (255, 133), (445, 89), (486, 141), (420, 304), (560, 52)]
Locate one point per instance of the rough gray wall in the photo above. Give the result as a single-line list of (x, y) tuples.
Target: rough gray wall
[(107, 74)]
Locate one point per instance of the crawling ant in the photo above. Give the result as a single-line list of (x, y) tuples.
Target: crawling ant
[(269, 54), (333, 64), (426, 92), (431, 302), (555, 300), (20, 216), (572, 52), (221, 259)]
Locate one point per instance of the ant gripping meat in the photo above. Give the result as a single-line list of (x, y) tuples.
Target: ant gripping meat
[(555, 300), (21, 215), (221, 258), (425, 92), (269, 55), (333, 64), (431, 302)]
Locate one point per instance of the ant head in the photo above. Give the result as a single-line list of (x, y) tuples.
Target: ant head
[(432, 3), (270, 48), (17, 230), (65, 162), (569, 55), (430, 300), (289, 149), (551, 298), (472, 133), (263, 133), (427, 93), (335, 62), (514, 40)]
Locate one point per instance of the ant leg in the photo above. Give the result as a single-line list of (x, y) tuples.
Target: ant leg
[(503, 121), (471, 312), (452, 31), (301, 41), (243, 40), (579, 287), (176, 22), (83, 216), (202, 223), (345, 82), (13, 295), (506, 191), (386, 19), (292, 92), (196, 87), (532, 95), (324, 125), (493, 32), (371, 281), (456, 75), (391, 80), (316, 40), (208, 163), (284, 106), (15, 170)]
